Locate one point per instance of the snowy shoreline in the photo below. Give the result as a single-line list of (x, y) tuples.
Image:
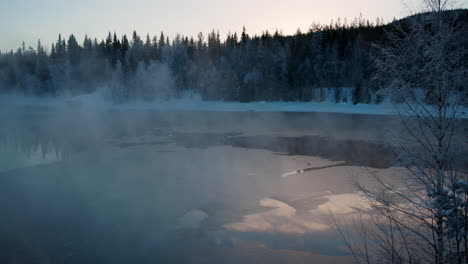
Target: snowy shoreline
[(92, 101)]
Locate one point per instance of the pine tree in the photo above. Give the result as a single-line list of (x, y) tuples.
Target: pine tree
[(154, 49), (87, 46), (244, 36), (53, 53), (60, 48), (125, 46), (116, 50), (161, 41), (147, 49), (73, 50)]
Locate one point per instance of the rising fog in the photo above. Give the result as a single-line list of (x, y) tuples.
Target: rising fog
[(81, 183)]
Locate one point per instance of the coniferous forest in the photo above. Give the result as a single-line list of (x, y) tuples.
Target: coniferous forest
[(328, 62)]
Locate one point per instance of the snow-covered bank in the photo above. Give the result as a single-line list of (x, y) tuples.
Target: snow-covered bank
[(189, 105), (95, 101)]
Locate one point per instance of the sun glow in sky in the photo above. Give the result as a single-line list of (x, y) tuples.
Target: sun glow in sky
[(30, 20)]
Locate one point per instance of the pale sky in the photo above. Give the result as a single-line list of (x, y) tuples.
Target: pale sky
[(30, 20)]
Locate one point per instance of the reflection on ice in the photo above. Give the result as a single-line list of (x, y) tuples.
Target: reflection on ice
[(283, 218), (348, 203), (155, 184), (14, 157)]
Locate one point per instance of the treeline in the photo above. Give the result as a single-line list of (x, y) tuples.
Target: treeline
[(329, 62)]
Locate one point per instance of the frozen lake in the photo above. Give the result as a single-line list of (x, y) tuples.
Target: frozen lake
[(139, 186)]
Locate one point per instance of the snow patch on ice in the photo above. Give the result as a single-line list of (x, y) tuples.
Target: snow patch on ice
[(283, 218), (192, 219)]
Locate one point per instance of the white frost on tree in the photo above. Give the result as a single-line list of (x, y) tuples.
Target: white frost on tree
[(424, 218)]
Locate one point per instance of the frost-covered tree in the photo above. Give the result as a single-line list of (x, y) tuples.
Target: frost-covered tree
[(176, 57), (153, 81), (423, 66), (229, 84), (304, 66), (117, 89), (209, 82), (304, 77)]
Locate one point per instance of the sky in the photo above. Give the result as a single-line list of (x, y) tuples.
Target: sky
[(30, 20)]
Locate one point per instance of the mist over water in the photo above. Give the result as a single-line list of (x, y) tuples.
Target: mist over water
[(81, 184), (117, 186), (343, 142)]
